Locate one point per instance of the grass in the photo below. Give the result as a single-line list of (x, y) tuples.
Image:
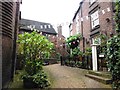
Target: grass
[(17, 80)]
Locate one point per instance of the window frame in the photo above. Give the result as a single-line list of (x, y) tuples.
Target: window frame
[(95, 19)]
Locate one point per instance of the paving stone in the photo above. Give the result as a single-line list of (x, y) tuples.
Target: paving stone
[(70, 77)]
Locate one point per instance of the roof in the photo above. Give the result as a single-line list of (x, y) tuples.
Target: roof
[(41, 26)]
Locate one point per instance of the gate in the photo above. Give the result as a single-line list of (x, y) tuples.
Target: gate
[(102, 66)]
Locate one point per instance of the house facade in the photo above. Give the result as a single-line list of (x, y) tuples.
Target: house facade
[(92, 19), (9, 20)]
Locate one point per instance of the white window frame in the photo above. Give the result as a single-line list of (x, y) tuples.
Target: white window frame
[(45, 26), (41, 26), (49, 26), (94, 19)]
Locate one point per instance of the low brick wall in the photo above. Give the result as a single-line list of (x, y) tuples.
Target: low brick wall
[(50, 61)]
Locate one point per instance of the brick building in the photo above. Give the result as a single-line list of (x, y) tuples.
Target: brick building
[(9, 18), (47, 30), (92, 19), (61, 47), (42, 28)]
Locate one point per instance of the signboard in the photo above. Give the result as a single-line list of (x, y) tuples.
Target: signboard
[(101, 55)]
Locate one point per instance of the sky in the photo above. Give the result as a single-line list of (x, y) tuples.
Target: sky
[(55, 12)]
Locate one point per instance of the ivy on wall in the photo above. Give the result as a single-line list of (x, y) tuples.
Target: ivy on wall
[(113, 51)]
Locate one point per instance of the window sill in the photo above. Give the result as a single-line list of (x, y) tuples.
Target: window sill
[(96, 27), (92, 4)]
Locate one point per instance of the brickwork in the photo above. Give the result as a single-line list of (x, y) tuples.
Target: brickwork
[(106, 22), (60, 42), (86, 24)]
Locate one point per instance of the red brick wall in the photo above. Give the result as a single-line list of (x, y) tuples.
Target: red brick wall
[(106, 27), (85, 26), (74, 27), (86, 22)]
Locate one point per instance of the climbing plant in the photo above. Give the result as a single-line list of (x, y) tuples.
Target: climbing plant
[(113, 51), (76, 52), (73, 41)]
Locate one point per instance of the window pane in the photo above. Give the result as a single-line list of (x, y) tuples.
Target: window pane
[(94, 19)]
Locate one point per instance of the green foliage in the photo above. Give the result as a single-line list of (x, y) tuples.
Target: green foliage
[(32, 67), (88, 51), (76, 52), (34, 47), (117, 16), (73, 41), (79, 64), (58, 56), (72, 63), (41, 79), (113, 51)]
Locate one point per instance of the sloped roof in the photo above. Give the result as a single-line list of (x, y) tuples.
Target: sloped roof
[(41, 26)]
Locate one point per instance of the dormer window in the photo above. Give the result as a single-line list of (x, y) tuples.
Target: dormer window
[(41, 26), (49, 26), (31, 26), (45, 26)]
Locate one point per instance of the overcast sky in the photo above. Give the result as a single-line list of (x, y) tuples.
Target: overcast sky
[(50, 11)]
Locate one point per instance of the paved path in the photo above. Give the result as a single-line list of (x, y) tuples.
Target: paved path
[(69, 77)]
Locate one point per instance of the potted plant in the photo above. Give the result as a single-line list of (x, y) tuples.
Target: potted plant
[(33, 47)]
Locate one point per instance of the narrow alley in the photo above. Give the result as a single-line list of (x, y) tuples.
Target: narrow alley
[(69, 77)]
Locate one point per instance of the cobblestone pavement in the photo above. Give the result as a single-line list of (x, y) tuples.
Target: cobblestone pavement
[(70, 77)]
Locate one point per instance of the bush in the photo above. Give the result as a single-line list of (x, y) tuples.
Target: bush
[(72, 63), (34, 47), (67, 62), (79, 64), (113, 59)]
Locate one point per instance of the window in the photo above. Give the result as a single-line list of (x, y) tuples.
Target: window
[(94, 19), (92, 1), (31, 26), (41, 26), (49, 26), (45, 26)]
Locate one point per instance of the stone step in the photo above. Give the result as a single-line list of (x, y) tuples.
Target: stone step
[(99, 78), (100, 73)]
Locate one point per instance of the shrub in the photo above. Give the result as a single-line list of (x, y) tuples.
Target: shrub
[(34, 47)]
